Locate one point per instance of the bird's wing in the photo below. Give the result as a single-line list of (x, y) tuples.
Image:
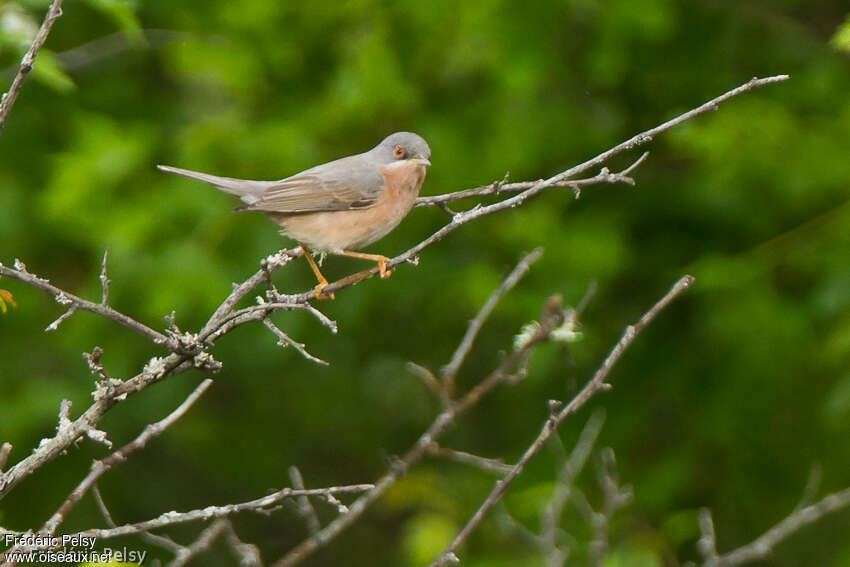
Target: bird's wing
[(353, 182)]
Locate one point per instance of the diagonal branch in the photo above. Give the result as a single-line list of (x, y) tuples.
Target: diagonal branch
[(284, 340), (551, 318), (763, 546), (10, 97), (595, 384), (561, 180), (449, 371), (550, 520), (99, 468)]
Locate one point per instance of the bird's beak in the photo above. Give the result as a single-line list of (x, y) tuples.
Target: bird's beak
[(421, 161)]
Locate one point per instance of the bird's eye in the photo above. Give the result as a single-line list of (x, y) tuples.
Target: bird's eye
[(399, 151)]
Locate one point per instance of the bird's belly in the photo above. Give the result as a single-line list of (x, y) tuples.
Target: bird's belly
[(345, 230), (355, 228)]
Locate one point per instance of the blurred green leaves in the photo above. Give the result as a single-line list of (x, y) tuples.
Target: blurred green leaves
[(426, 536), (123, 15), (841, 40)]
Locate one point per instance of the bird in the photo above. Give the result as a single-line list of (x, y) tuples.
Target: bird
[(341, 206)]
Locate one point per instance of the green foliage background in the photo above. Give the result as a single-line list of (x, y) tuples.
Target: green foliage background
[(726, 402)]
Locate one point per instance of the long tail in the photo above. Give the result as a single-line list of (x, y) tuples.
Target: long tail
[(246, 189)]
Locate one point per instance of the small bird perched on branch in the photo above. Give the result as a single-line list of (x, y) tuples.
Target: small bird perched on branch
[(341, 205)]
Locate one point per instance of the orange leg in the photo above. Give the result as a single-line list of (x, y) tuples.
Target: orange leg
[(380, 259), (323, 283)]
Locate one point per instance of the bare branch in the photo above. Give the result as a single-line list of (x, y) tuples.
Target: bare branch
[(64, 298), (551, 318), (429, 380), (496, 466), (158, 540), (5, 450), (27, 62), (560, 180), (211, 512), (98, 468), (284, 341), (247, 554), (449, 371), (106, 396), (707, 544), (305, 508), (763, 546), (811, 488), (335, 502), (614, 498), (104, 280), (62, 318), (201, 544), (270, 264), (594, 385), (95, 365), (551, 517)]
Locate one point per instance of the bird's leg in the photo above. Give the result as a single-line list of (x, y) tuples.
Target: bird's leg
[(323, 283), (379, 258)]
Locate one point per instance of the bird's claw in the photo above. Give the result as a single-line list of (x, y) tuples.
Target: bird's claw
[(320, 292), (382, 268)]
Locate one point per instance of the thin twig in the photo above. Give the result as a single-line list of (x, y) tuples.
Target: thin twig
[(27, 62), (5, 450), (106, 396), (247, 554), (811, 488), (158, 540), (99, 468), (763, 546), (449, 371), (64, 298), (595, 384), (201, 544), (614, 498), (210, 512), (429, 380), (62, 318), (104, 280), (496, 466), (285, 340), (551, 318), (305, 508), (551, 517), (560, 180)]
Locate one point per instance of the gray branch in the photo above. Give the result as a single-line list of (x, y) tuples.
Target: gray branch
[(763, 546), (449, 371), (27, 62), (595, 384)]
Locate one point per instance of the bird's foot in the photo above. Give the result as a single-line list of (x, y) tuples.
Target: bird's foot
[(382, 267), (320, 292)]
